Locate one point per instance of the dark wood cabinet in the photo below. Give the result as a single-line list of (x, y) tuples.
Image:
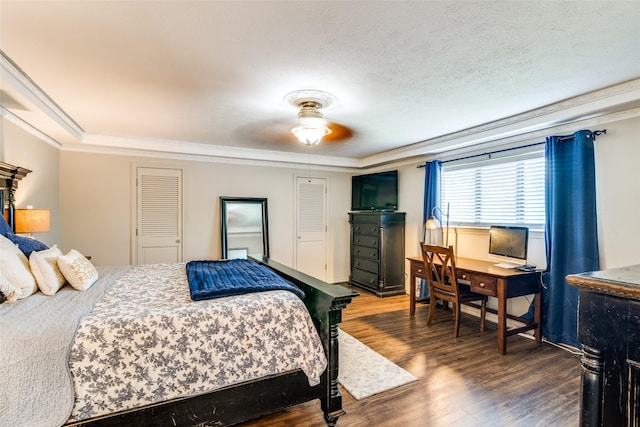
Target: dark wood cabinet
[(377, 252), (609, 331)]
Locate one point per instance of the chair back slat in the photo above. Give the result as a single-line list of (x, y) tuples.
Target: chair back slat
[(440, 262), (440, 266)]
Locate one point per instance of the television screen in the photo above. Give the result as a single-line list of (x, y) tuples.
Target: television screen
[(508, 241), (375, 192)]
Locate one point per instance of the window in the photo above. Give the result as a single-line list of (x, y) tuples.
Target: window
[(507, 190)]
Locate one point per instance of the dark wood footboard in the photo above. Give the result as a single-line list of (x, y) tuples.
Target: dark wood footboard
[(253, 399), (325, 303)]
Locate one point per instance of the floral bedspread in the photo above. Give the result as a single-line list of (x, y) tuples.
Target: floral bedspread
[(146, 341)]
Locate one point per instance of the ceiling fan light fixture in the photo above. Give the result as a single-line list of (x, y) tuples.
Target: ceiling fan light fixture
[(310, 134), (311, 124)]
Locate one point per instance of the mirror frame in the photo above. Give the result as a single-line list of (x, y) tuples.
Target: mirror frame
[(225, 202)]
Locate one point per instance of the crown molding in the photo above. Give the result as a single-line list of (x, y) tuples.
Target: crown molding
[(156, 148), (12, 118), (19, 80), (607, 103)]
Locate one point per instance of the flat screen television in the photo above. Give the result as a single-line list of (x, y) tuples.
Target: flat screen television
[(375, 192), (509, 241)]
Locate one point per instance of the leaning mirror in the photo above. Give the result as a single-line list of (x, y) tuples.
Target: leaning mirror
[(244, 227)]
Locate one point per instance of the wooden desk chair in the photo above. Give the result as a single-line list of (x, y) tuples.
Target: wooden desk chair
[(440, 269)]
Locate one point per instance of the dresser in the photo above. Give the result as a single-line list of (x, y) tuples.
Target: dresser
[(609, 331), (377, 252)]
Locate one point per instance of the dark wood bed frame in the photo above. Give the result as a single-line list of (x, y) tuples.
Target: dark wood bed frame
[(9, 177), (253, 399), (248, 400)]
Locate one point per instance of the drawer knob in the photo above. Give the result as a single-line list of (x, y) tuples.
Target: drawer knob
[(464, 276), (482, 285), (419, 270)]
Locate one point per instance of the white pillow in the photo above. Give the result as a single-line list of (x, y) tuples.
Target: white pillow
[(8, 290), (78, 270), (44, 267), (15, 267)]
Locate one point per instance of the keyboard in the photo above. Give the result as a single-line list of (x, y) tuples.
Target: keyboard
[(507, 265)]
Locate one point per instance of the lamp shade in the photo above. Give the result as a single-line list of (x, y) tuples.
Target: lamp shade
[(433, 232), (32, 220)]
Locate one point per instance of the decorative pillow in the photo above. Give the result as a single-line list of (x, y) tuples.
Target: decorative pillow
[(7, 289), (26, 244), (44, 267), (78, 270), (15, 267)]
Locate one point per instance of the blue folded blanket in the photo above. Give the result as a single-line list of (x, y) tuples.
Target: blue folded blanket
[(215, 279)]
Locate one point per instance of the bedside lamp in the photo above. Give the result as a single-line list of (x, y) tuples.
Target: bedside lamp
[(30, 221)]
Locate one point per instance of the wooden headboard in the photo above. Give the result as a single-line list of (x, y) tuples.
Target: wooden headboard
[(9, 177)]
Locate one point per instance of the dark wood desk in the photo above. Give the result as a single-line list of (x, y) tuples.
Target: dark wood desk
[(486, 279)]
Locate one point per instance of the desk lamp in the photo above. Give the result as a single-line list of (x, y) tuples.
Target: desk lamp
[(433, 229)]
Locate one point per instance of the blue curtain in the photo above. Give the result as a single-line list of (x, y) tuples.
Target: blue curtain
[(432, 198), (432, 195), (571, 235)]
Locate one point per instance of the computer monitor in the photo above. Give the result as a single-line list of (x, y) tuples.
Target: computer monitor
[(508, 241)]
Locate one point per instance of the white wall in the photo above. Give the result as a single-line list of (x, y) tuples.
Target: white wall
[(40, 188), (618, 193), (97, 190)]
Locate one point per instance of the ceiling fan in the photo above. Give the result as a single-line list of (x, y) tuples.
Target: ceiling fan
[(276, 133)]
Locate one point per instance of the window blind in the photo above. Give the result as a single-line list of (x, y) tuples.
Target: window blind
[(507, 190)]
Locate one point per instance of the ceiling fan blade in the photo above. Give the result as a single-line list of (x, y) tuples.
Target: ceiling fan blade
[(338, 133), (278, 132)]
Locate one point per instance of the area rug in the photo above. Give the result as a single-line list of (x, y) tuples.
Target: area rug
[(363, 372)]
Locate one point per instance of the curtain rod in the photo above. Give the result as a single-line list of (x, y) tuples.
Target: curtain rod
[(566, 138)]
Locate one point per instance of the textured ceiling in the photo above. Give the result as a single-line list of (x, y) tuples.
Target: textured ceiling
[(206, 75)]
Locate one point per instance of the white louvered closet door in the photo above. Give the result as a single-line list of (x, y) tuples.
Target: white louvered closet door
[(159, 216), (311, 230)]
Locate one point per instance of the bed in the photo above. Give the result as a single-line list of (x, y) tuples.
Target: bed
[(240, 401)]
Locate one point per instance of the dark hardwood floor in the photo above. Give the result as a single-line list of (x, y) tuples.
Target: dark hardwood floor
[(462, 381)]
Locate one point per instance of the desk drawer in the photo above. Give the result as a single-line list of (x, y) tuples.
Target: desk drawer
[(364, 240), (485, 285), (417, 267), (361, 251)]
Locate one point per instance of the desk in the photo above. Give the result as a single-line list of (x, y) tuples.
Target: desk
[(492, 281)]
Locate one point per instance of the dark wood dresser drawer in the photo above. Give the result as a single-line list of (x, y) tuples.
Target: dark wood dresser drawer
[(371, 229), (366, 264), (365, 240), (361, 251), (365, 277), (485, 285)]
